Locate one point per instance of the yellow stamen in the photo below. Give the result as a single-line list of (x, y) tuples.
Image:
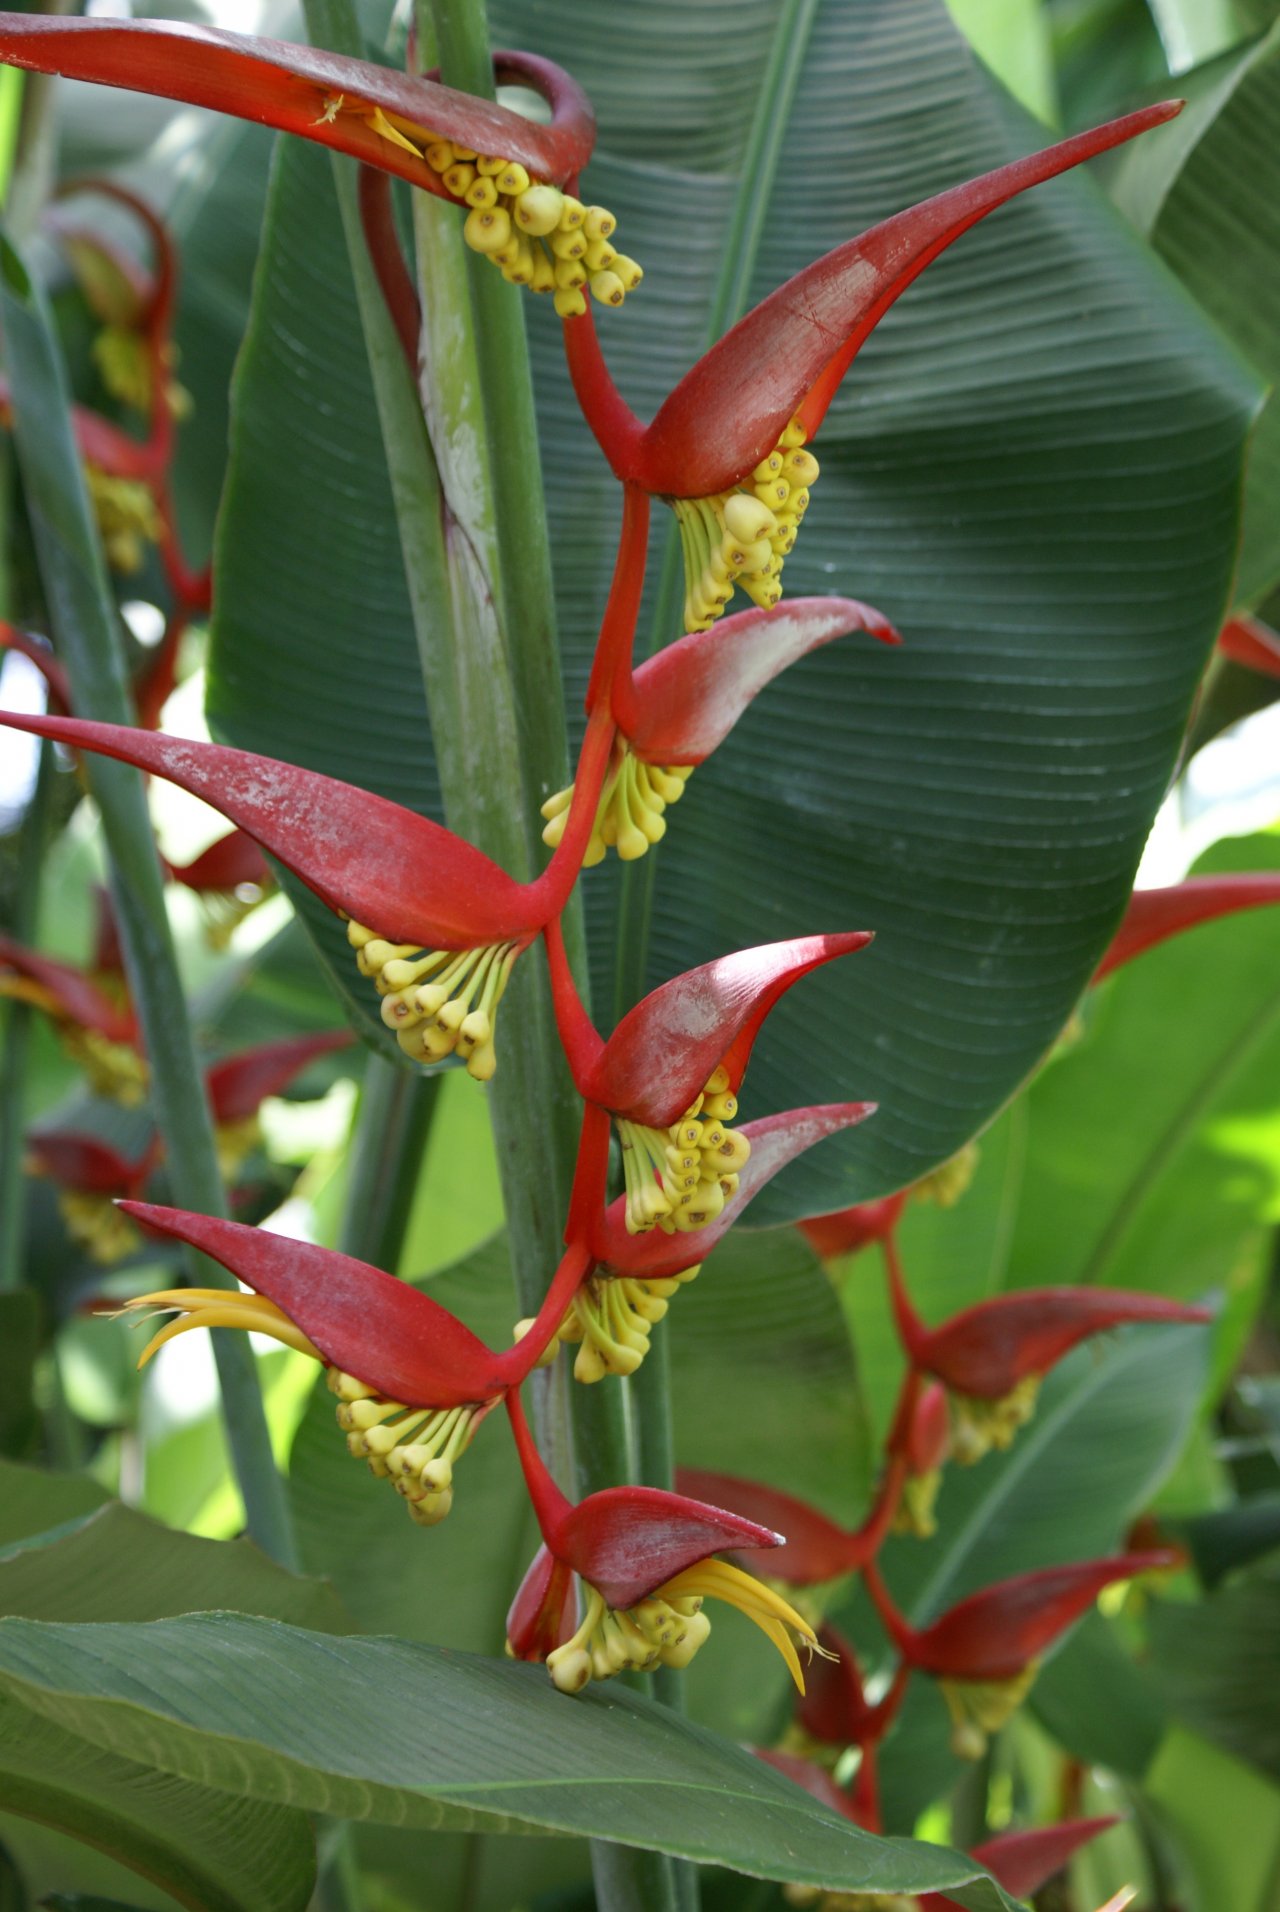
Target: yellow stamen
[(979, 1425), (413, 1447), (439, 1003), (979, 1708), (215, 1308), (504, 199), (114, 1069), (104, 1231), (740, 537), (679, 1179), (127, 514), (611, 1317)]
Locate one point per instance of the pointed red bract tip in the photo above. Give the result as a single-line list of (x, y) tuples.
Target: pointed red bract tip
[(228, 862), (729, 411), (626, 1541), (849, 1230), (85, 1162), (987, 1349), (814, 1548), (994, 1634), (1153, 916), (1248, 641), (656, 1062), (74, 994), (364, 1322), (398, 873)]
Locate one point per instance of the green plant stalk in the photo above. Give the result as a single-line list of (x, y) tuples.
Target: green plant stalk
[(18, 1031), (738, 257), (387, 1147), (82, 614)]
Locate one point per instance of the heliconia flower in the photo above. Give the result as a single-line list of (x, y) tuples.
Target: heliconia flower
[(1155, 915), (635, 1275), (679, 705), (447, 922), (644, 1558), (985, 1651), (509, 173), (991, 1357), (669, 1075), (814, 1547), (413, 1384), (1248, 641), (727, 447), (238, 1085), (90, 1177), (230, 879), (121, 476), (847, 1231), (925, 1444), (99, 1031)]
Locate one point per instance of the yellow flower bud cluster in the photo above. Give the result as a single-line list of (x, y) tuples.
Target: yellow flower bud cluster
[(535, 234), (114, 1069), (979, 1708), (439, 1002), (610, 1319), (104, 1232), (655, 1632), (679, 1179), (123, 358), (741, 537), (977, 1425), (630, 813), (235, 1143), (127, 514), (814, 1896), (915, 1513), (415, 1453)]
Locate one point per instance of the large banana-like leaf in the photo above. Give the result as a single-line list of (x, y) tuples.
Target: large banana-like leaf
[(1034, 469)]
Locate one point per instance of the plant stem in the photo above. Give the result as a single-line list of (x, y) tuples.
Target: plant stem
[(17, 1030), (390, 1138), (82, 614)]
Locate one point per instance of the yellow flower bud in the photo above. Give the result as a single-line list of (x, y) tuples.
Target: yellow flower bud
[(487, 166), (570, 1668), (599, 255), (747, 519), (774, 493), (628, 271), (464, 152), (513, 178), (481, 192), (607, 287), (801, 467), (458, 177), (572, 214), (570, 303), (598, 222), (440, 155), (568, 245), (544, 277), (538, 211), (487, 229), (570, 275)]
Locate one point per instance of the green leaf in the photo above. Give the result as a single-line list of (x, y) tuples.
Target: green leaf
[(32, 1500), (1099, 1703), (21, 1325), (1218, 1662), (1155, 1164), (1233, 1537), (980, 797), (1209, 201), (386, 1729), (116, 1564), (1226, 1819)]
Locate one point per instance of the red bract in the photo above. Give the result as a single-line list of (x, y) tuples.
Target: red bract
[(1248, 641), (317, 95), (1155, 915), (64, 992), (788, 356), (986, 1350), (86, 1164), (814, 1548), (663, 1051), (994, 1635), (365, 1323), (239, 1084), (774, 1140), (848, 1230), (1023, 1861), (228, 862)]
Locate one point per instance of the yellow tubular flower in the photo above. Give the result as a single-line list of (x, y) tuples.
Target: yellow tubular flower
[(610, 1319), (680, 1178), (414, 1448), (522, 225), (979, 1708), (215, 1308), (127, 515), (978, 1425), (741, 537), (632, 801), (668, 1627), (439, 1002)]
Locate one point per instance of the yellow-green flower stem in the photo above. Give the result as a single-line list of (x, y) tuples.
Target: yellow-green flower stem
[(535, 234), (214, 1308), (414, 1451), (915, 1513), (610, 1319), (679, 1179), (128, 517), (104, 1231), (977, 1425), (668, 1627), (979, 1708), (740, 537), (629, 817), (439, 1002)]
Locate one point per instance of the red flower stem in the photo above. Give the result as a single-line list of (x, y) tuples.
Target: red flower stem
[(865, 1797), (614, 425), (560, 875), (611, 666), (886, 1711), (519, 1362), (899, 1630), (911, 1329), (867, 1541), (394, 278), (549, 1505), (579, 1037)]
